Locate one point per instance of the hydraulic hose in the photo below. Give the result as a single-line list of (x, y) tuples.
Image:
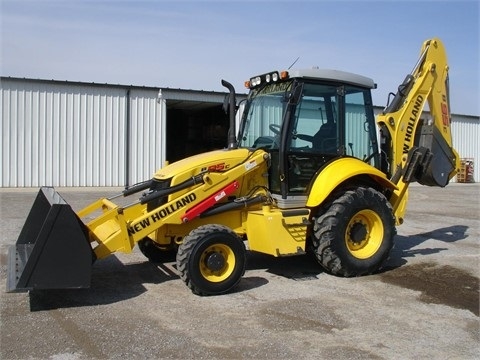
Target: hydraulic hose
[(198, 179), (233, 205), (137, 187)]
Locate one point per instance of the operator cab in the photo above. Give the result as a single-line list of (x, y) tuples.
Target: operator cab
[(305, 119)]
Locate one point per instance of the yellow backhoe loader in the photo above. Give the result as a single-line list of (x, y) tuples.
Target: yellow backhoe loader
[(308, 171)]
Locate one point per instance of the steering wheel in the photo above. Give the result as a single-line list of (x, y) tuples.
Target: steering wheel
[(275, 128)]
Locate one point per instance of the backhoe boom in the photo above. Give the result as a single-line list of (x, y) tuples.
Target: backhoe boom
[(414, 147)]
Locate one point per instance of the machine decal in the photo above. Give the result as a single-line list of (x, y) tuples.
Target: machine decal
[(250, 165), (217, 167), (417, 110), (445, 115), (210, 201), (161, 213)]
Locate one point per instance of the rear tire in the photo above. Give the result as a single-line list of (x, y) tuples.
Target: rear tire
[(211, 260), (355, 234)]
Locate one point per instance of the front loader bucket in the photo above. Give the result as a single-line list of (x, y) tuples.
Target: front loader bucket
[(53, 250)]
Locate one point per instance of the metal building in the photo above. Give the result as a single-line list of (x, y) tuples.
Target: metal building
[(79, 134), (466, 136), (58, 133)]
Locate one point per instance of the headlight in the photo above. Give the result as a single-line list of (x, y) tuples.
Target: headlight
[(265, 78)]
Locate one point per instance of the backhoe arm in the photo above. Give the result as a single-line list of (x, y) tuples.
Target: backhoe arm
[(414, 148)]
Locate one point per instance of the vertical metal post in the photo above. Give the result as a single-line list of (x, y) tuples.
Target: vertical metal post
[(127, 140)]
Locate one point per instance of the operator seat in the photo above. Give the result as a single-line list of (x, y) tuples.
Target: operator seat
[(325, 140)]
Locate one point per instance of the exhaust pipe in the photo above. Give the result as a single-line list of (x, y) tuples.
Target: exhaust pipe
[(232, 104), (53, 250)]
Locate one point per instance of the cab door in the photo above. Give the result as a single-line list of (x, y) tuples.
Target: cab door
[(314, 135), (329, 121)]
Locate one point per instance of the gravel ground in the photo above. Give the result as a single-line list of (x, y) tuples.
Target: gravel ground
[(424, 306)]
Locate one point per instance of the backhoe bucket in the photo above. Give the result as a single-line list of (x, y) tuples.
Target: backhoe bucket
[(442, 166), (53, 250)]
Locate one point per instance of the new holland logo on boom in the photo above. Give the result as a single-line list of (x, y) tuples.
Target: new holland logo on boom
[(161, 213), (417, 110)]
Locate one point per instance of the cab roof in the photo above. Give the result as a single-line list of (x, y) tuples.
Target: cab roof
[(334, 75)]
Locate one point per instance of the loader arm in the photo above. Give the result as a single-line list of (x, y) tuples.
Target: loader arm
[(120, 228), (414, 148)]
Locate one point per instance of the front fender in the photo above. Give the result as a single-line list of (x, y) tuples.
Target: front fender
[(337, 172)]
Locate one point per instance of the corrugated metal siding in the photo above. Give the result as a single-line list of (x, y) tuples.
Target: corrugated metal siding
[(146, 134), (77, 134), (357, 137), (61, 135), (466, 140)]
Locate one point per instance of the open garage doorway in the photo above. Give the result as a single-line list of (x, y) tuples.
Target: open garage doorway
[(194, 127)]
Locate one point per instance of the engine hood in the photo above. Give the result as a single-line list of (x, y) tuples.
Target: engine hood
[(218, 160)]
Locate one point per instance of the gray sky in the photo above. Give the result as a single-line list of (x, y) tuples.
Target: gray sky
[(194, 44)]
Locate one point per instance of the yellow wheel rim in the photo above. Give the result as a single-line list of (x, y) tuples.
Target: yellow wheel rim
[(364, 234), (217, 262)]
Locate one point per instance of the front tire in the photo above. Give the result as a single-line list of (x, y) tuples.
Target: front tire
[(211, 260), (354, 236)]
